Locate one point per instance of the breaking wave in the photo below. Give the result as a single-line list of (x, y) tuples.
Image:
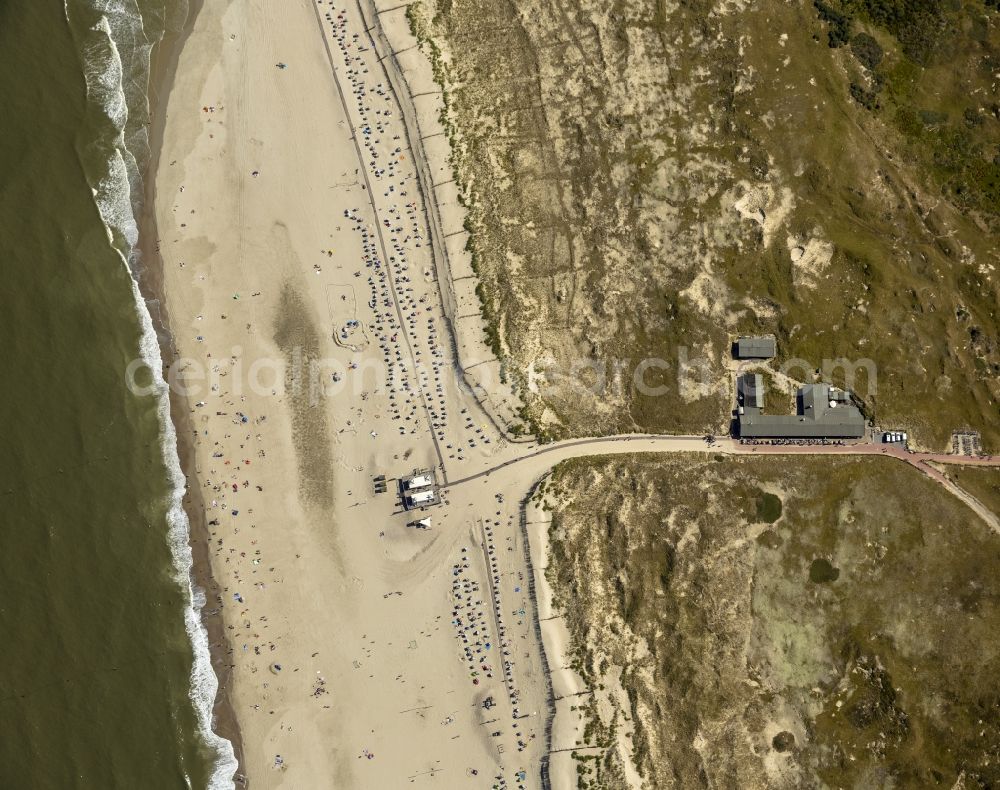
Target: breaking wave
[(117, 193)]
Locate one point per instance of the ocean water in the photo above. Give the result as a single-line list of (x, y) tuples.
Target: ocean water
[(106, 681)]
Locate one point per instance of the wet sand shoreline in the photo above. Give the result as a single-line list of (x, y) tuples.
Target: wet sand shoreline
[(163, 68)]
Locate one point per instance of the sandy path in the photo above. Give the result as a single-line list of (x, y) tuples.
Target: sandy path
[(568, 688)]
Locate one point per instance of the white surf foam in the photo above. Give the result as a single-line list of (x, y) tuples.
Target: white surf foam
[(113, 195), (204, 683)]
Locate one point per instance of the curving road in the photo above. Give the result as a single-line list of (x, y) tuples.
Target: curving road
[(671, 443), (533, 462)]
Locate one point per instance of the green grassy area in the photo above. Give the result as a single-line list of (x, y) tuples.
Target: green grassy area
[(982, 482), (777, 399), (601, 156), (924, 72), (847, 637)]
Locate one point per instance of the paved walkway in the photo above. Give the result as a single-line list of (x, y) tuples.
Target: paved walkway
[(669, 443), (534, 460)]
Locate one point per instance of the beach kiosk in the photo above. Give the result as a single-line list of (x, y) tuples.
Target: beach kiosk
[(419, 489)]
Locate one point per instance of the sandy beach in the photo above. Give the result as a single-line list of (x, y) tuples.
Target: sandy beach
[(315, 352)]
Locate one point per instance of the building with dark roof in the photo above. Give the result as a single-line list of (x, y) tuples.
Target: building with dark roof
[(824, 412), (751, 390), (750, 347)]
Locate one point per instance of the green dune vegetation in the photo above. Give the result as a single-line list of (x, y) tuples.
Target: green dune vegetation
[(646, 179), (982, 482), (777, 623)]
